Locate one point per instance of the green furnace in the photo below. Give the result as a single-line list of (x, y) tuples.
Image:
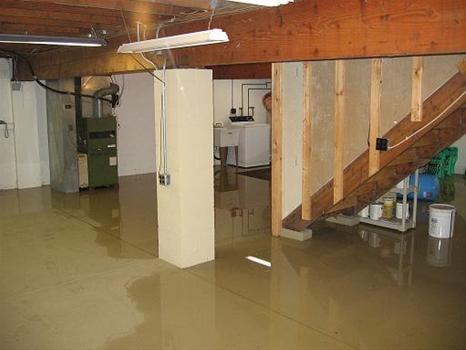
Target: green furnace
[(97, 147)]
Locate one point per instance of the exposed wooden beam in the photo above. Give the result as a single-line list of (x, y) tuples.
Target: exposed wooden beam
[(277, 167), (374, 126), (125, 5), (243, 71), (307, 142), (19, 28), (338, 165), (416, 89), (302, 31), (200, 4), (58, 12)]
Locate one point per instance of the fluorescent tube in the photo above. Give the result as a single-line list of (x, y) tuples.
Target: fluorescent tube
[(269, 3), (51, 40), (207, 37)]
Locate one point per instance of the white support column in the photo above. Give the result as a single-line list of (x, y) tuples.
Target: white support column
[(186, 206)]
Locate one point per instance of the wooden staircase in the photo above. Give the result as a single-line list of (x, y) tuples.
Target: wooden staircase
[(444, 122)]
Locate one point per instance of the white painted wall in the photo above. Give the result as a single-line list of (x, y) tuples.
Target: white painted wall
[(24, 159), (7, 145), (136, 132), (223, 99), (26, 117), (461, 163)]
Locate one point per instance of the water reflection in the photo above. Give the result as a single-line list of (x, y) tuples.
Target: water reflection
[(439, 251), (127, 212), (396, 250), (242, 206)]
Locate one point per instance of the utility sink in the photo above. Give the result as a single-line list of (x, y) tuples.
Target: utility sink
[(226, 137)]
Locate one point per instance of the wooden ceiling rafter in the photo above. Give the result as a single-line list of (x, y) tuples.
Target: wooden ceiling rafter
[(109, 18)]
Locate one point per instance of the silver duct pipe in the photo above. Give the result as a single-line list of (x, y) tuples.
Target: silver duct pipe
[(97, 107)]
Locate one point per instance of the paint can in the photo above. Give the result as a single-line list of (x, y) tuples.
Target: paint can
[(388, 207), (364, 213), (399, 210), (375, 211), (441, 220)]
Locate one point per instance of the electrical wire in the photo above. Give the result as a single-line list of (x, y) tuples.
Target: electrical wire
[(133, 56), (446, 110), (34, 77), (138, 24), (213, 5)]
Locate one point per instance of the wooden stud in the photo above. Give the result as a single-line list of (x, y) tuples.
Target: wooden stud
[(307, 142), (277, 126), (338, 166), (462, 66), (374, 130), (416, 90)]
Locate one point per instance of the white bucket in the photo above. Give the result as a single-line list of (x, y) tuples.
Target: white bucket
[(364, 213), (399, 210), (441, 220), (376, 211)]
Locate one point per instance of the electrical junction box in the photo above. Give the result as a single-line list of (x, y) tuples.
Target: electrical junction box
[(381, 144), (98, 140)]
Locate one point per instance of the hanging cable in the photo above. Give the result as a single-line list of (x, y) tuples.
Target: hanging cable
[(34, 77), (213, 5), (138, 24)]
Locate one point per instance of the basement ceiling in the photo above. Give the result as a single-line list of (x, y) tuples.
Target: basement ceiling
[(104, 18)]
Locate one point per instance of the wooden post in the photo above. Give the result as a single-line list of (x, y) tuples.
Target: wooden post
[(277, 126), (306, 210), (416, 90), (374, 129), (462, 66), (339, 131)]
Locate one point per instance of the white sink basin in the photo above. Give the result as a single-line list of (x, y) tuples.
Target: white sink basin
[(226, 137)]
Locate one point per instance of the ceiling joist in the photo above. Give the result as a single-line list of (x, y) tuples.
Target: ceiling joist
[(303, 31)]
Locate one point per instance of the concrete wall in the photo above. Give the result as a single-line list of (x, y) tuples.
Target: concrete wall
[(223, 98), (395, 105), (62, 137), (24, 161)]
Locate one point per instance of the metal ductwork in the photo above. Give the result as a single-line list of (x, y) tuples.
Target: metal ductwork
[(97, 107)]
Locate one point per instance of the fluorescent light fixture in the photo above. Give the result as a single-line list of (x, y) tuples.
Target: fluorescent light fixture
[(206, 37), (51, 40), (269, 3), (259, 261)]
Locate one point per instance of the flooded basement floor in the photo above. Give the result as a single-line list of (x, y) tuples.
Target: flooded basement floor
[(80, 271)]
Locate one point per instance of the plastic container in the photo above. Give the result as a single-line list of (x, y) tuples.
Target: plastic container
[(399, 210), (441, 220), (376, 211), (388, 208), (429, 187)]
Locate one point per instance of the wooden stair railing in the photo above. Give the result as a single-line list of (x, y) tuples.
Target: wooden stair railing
[(444, 121)]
